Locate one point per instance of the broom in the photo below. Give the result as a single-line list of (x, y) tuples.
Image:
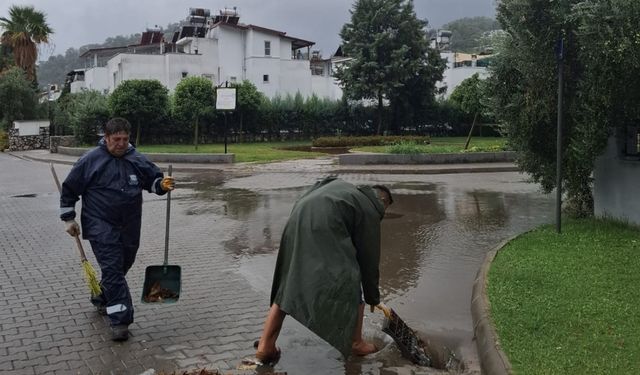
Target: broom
[(89, 272)]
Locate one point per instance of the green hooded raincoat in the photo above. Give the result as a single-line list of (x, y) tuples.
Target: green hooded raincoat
[(330, 247)]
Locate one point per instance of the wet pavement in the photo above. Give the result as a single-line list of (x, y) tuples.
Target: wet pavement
[(225, 229)]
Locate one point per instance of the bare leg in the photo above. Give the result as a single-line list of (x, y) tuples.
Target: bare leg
[(359, 346), (272, 327)]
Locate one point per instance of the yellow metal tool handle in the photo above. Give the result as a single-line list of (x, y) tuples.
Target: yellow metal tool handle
[(385, 310)]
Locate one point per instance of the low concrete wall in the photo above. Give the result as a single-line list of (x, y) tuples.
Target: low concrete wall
[(56, 141), (165, 158), (456, 158), (615, 185)]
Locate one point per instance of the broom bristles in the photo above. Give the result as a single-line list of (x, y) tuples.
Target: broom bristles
[(92, 279)]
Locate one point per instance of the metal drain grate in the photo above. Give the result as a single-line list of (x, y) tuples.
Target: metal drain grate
[(30, 195), (406, 339)]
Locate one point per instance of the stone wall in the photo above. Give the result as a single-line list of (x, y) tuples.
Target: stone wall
[(56, 141), (28, 142)]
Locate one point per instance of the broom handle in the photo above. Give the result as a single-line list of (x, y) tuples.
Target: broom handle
[(83, 256), (166, 231)]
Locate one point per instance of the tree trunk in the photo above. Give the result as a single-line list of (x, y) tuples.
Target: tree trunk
[(240, 135), (138, 134), (195, 134), (473, 124), (380, 107)]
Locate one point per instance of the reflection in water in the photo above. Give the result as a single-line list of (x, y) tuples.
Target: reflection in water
[(400, 256), (263, 221), (481, 208)]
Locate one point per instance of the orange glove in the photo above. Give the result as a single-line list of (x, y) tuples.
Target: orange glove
[(168, 183)]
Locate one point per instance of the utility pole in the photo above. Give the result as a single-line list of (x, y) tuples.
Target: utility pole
[(560, 55)]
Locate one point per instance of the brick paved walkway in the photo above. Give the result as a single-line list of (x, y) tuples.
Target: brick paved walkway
[(47, 325)]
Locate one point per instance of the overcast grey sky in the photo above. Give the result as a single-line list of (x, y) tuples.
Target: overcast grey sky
[(79, 22)]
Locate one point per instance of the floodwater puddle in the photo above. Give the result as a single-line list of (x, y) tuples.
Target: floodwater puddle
[(434, 238)]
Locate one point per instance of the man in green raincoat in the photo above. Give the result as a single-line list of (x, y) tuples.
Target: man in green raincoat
[(328, 259)]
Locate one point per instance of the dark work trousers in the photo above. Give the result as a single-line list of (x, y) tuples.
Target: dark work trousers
[(115, 261)]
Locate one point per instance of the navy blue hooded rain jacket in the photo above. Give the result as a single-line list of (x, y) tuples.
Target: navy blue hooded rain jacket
[(111, 190)]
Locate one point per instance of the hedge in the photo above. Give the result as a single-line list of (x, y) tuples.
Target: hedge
[(368, 141)]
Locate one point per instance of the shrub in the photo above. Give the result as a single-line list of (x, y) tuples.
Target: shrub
[(368, 141), (404, 147), (4, 140), (491, 148)]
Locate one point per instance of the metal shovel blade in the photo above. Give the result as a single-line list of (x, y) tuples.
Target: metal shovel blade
[(161, 284)]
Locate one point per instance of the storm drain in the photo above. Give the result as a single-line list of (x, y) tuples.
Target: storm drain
[(30, 195), (406, 339)]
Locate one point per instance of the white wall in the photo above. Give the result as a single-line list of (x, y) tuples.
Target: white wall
[(77, 86), (97, 79), (193, 65), (295, 76), (29, 127), (452, 77), (231, 54), (326, 87), (167, 68), (615, 185)]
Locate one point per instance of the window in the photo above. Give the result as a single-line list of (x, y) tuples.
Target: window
[(265, 78), (184, 74), (210, 77), (233, 79), (267, 48), (317, 70), (632, 141)]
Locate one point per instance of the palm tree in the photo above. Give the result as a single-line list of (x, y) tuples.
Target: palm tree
[(23, 31)]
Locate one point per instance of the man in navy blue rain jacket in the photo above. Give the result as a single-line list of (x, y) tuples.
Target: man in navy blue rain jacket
[(110, 179)]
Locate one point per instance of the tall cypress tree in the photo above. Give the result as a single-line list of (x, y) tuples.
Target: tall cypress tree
[(391, 58)]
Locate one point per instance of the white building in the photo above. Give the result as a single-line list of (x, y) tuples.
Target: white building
[(461, 66), (216, 47)]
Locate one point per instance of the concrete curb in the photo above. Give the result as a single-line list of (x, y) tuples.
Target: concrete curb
[(432, 169), (363, 158), (387, 170), (492, 359)]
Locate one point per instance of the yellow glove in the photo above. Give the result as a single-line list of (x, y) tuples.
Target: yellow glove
[(72, 227), (168, 183)]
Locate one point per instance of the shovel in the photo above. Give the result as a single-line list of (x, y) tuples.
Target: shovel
[(162, 283)]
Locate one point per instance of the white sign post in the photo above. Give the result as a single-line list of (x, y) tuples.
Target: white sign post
[(226, 98), (225, 101)]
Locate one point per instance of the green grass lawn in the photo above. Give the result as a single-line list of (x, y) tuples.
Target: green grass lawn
[(244, 152), (569, 303), (448, 145)]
